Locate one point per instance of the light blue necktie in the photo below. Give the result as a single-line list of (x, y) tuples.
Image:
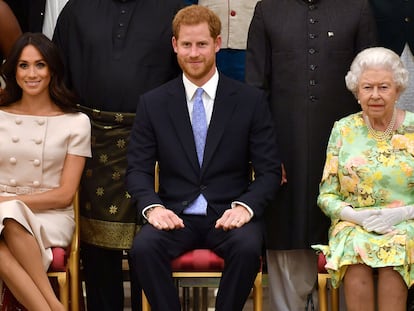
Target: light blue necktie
[(199, 124)]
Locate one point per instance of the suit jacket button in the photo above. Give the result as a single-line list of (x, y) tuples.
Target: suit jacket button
[(185, 203)]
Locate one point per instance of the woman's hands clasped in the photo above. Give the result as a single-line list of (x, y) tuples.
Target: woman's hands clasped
[(385, 221), (380, 221)]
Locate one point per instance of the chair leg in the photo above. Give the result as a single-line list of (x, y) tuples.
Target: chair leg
[(145, 304), (186, 299), (204, 299), (258, 292), (196, 298), (74, 291), (322, 291), (63, 290), (335, 299)]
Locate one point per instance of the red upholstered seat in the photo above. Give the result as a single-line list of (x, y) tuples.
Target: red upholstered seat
[(59, 259), (198, 260), (321, 263)]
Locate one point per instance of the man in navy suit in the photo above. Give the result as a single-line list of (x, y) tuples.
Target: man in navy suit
[(206, 201)]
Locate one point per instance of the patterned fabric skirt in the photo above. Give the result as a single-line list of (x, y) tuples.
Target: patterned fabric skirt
[(350, 244), (107, 218)]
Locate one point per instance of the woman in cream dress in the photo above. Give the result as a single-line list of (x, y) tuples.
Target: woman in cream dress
[(43, 145)]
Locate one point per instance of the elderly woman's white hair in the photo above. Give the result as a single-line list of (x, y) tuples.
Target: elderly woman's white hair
[(376, 57)]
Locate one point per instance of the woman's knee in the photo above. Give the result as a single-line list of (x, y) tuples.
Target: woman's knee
[(12, 228), (6, 258)]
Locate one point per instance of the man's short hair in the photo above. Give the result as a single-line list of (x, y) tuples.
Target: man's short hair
[(195, 15)]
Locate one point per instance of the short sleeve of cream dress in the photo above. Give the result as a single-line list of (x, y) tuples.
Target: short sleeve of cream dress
[(32, 155)]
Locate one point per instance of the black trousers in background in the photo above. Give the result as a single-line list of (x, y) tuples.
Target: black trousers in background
[(103, 274), (410, 299)]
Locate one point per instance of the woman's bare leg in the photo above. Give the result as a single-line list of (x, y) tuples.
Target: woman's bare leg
[(392, 290), (359, 288), (25, 249), (19, 282)]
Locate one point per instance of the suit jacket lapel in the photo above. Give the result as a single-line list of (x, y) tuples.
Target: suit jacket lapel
[(178, 111), (224, 106)]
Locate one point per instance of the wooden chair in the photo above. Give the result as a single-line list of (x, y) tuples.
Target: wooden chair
[(65, 266), (323, 278), (198, 267)]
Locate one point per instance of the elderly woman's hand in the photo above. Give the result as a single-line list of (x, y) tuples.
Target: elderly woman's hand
[(388, 218), (357, 216)]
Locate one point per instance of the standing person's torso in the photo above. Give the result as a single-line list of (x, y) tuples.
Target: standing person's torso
[(119, 53), (395, 20), (235, 17)]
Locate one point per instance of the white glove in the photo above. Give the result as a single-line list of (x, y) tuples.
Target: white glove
[(357, 216), (388, 218)]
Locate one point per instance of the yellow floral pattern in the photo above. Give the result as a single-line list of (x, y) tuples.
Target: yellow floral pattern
[(367, 174)]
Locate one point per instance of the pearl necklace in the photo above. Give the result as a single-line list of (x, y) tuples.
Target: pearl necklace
[(382, 135)]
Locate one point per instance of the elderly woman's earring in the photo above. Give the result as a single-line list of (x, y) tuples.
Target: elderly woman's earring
[(359, 102)]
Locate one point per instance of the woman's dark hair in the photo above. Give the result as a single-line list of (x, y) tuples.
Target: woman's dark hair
[(59, 93)]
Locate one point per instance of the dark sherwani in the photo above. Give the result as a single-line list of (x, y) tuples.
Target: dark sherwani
[(300, 51)]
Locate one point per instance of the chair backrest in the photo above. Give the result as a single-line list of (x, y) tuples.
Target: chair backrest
[(156, 177), (75, 244), (60, 254)]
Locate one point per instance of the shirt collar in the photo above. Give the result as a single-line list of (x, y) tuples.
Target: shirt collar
[(210, 87)]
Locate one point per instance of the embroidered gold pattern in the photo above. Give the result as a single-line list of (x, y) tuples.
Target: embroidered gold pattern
[(127, 195), (103, 158), (119, 117), (113, 235), (113, 209), (121, 143), (116, 176), (89, 172), (100, 191)]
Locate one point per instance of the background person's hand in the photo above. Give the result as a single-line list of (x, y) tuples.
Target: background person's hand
[(284, 176)]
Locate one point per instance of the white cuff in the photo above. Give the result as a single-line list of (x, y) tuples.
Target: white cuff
[(233, 205), (149, 207)]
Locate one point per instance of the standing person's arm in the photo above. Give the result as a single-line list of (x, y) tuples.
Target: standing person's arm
[(258, 53), (60, 37), (9, 29)]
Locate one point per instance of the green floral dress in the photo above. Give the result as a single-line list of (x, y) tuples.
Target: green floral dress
[(368, 174)]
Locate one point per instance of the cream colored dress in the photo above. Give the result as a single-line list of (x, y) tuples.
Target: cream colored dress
[(32, 155)]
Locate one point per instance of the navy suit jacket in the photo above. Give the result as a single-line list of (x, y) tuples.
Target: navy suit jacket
[(240, 135)]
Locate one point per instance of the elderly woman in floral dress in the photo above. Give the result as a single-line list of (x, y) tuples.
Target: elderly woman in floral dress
[(367, 188)]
